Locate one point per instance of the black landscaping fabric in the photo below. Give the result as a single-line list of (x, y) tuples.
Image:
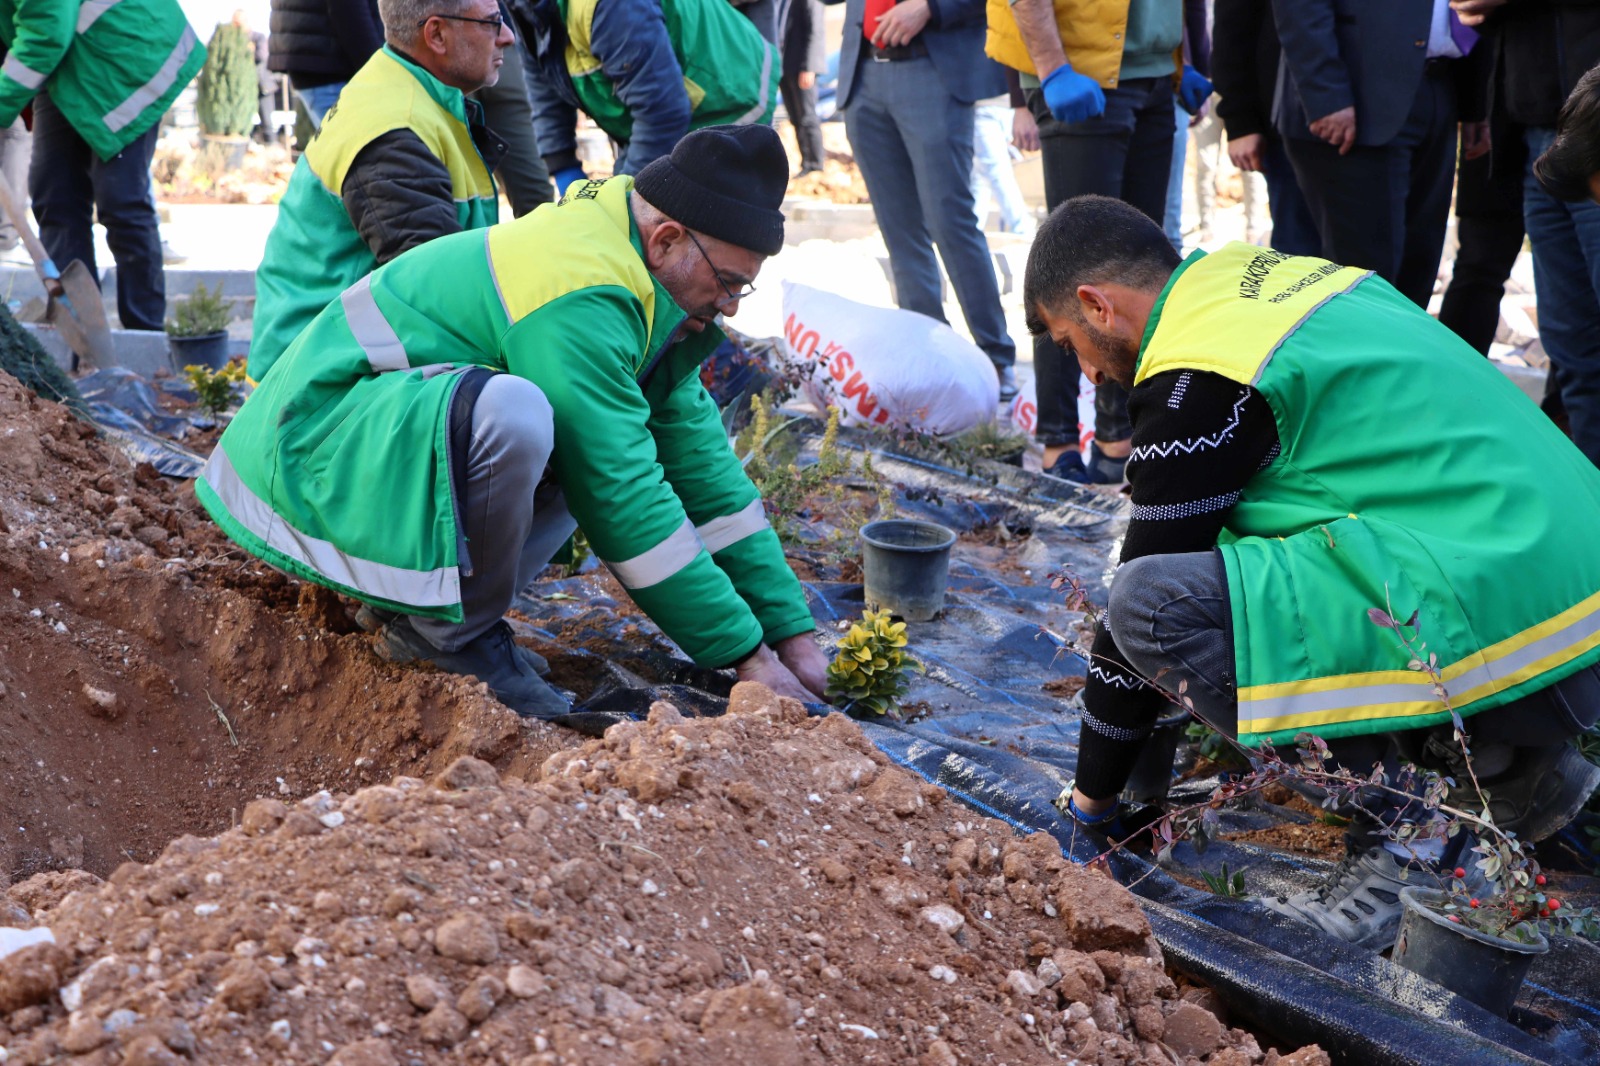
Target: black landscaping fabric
[(998, 742)]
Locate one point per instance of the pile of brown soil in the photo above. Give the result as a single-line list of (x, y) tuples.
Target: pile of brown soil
[(758, 888), (154, 678)]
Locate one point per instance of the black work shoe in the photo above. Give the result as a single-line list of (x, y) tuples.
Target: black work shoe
[(373, 619), (492, 657), (1542, 790), (1008, 383)]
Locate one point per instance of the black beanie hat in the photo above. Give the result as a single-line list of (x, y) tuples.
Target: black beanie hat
[(724, 181)]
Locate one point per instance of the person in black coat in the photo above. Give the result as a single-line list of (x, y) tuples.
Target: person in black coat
[(320, 44), (1244, 68), (1368, 110), (805, 54)]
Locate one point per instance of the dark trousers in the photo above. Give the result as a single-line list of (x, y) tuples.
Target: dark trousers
[(1172, 619), (70, 185), (1490, 229), (1385, 207), (1125, 153), (801, 106), (1294, 231), (1566, 272)]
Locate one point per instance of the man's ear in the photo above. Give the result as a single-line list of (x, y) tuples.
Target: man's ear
[(659, 245), (431, 37), (1096, 306)]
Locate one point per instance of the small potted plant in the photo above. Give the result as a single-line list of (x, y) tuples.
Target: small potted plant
[(197, 332)]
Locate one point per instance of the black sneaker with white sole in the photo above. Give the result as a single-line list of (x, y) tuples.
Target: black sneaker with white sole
[(492, 657)]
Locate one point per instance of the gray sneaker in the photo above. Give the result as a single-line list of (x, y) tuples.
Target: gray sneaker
[(1360, 901), (373, 619), (492, 657), (1542, 790)]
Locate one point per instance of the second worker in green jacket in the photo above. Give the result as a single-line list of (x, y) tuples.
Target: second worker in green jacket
[(1345, 523), (431, 439)]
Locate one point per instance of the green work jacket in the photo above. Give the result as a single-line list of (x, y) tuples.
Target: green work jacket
[(337, 469), (113, 67), (1414, 478), (315, 251), (729, 72)]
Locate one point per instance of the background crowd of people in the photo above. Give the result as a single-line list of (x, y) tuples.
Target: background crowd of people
[(1357, 127)]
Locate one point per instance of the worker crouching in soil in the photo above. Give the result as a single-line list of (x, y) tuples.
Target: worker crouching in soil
[(434, 436), (1309, 445)]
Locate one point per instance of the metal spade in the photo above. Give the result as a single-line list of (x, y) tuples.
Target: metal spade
[(75, 311)]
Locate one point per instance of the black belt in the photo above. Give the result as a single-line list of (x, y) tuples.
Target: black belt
[(914, 50)]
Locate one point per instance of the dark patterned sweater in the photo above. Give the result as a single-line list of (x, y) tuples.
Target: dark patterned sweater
[(1197, 439)]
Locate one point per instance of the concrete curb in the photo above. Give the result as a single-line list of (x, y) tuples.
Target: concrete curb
[(142, 351)]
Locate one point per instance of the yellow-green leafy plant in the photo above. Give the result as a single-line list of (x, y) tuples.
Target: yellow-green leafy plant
[(215, 389), (871, 667)]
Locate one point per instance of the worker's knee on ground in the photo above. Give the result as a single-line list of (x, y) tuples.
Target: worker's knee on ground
[(513, 419)]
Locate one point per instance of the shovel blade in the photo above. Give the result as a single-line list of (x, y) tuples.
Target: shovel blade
[(80, 317)]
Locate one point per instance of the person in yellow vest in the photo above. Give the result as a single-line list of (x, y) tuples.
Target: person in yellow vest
[(1309, 448), (401, 158)]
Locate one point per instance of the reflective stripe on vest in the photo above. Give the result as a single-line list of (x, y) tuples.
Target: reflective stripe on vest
[(21, 73), (151, 91), (91, 10), (417, 588), (371, 330), (653, 567), (721, 532), (755, 113), (1405, 693)]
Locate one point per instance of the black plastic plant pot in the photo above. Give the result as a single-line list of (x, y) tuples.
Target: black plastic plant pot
[(1152, 774), (906, 564), (1488, 970), (209, 350)]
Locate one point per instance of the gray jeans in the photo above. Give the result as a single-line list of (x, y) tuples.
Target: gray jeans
[(1170, 616), (513, 521)]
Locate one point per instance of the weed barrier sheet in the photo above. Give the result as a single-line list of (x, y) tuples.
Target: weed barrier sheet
[(989, 732)]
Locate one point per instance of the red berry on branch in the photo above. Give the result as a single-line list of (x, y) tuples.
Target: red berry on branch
[(1472, 903), (1539, 880), (1553, 904), (1454, 918)]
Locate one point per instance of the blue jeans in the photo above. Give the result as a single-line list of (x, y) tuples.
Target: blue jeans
[(991, 168), (1172, 222), (913, 142), (318, 99), (1566, 274), (71, 185)]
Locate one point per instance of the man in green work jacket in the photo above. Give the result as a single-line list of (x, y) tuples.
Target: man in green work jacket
[(430, 440), (99, 74), (402, 158), (1310, 447)]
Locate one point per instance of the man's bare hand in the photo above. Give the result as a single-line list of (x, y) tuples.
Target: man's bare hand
[(1338, 129), (1024, 130), (1475, 140), (807, 662), (1473, 12), (806, 79), (765, 667), (902, 23), (1245, 151)]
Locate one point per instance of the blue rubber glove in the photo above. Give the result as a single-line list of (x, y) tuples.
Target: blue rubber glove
[(1072, 97), (1193, 90), (566, 176)]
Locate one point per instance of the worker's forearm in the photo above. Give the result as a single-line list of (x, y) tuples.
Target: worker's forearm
[(1036, 20)]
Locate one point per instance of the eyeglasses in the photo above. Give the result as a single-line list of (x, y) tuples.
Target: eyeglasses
[(733, 297), (496, 21)]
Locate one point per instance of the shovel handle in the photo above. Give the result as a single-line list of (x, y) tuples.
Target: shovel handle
[(41, 258)]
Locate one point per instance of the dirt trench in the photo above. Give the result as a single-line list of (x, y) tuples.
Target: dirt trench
[(251, 840), (154, 679)]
